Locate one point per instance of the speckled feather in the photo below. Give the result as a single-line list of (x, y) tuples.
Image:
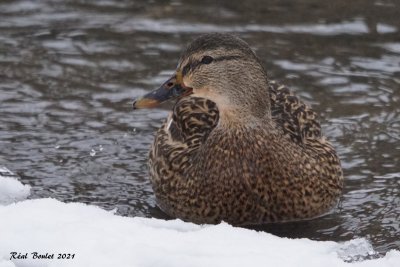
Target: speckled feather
[(244, 175)]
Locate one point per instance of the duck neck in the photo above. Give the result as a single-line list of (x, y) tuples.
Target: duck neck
[(243, 120), (250, 106)]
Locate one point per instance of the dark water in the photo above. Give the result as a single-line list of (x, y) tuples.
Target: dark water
[(70, 69)]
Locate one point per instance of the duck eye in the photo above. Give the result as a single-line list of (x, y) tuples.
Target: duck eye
[(185, 69), (206, 60)]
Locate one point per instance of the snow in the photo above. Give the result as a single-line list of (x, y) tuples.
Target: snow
[(11, 189), (101, 238)]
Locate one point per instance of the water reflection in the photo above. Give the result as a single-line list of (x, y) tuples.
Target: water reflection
[(70, 69)]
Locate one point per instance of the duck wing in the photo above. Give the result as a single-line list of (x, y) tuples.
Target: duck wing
[(297, 120), (181, 135)]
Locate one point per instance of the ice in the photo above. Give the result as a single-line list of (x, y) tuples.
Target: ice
[(11, 189), (356, 250)]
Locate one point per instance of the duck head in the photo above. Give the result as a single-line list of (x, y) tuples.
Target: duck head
[(221, 68)]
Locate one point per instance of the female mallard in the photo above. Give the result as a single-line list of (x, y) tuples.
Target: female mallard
[(237, 147)]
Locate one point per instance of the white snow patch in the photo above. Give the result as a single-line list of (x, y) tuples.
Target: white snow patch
[(11, 190), (356, 250), (101, 238)]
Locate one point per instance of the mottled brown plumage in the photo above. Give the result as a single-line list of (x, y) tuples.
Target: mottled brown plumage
[(239, 148)]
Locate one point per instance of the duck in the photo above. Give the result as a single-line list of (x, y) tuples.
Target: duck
[(237, 147)]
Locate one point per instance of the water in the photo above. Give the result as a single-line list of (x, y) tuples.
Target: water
[(69, 71)]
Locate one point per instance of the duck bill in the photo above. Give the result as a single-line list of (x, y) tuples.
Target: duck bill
[(171, 89)]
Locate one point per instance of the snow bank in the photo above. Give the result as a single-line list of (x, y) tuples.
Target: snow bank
[(100, 238), (11, 190), (46, 232)]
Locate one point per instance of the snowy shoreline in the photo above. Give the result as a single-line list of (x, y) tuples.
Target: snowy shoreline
[(97, 237)]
